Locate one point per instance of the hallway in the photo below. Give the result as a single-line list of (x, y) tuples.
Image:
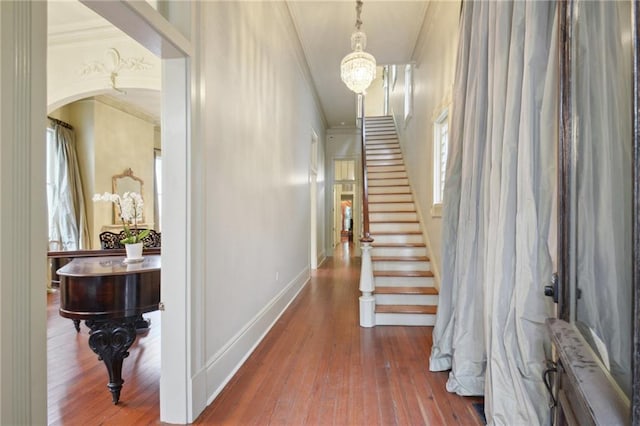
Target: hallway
[(316, 366)]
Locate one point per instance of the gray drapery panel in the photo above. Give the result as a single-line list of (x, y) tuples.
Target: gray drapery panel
[(498, 206), (68, 219)]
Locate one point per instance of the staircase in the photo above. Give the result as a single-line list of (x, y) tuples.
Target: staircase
[(404, 287)]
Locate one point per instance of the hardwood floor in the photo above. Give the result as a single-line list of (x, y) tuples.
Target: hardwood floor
[(77, 381), (316, 366)]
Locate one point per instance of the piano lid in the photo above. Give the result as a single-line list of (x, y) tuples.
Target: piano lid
[(108, 266)]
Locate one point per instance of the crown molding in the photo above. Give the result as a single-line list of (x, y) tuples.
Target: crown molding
[(83, 33)]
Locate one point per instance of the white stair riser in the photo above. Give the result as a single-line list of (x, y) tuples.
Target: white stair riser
[(394, 227), (401, 265), (385, 136), (405, 319), (397, 238), (404, 282), (383, 150), (380, 148), (392, 175), (389, 190), (406, 299), (392, 216), (386, 169), (373, 126), (377, 163), (380, 130), (385, 198), (391, 207), (387, 182), (383, 157), (399, 251), (380, 142)]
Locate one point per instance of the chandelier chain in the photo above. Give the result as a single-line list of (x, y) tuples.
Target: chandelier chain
[(358, 11)]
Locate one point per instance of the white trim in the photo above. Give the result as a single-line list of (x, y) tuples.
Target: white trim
[(408, 93), (224, 364), (436, 210), (181, 318), (23, 240), (299, 50), (437, 187)]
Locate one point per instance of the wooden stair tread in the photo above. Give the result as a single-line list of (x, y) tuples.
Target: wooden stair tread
[(406, 290), (399, 245), (393, 221), (390, 202), (373, 234), (400, 258), (406, 309), (427, 274), (393, 211)]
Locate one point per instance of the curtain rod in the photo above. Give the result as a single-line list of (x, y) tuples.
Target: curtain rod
[(61, 123)]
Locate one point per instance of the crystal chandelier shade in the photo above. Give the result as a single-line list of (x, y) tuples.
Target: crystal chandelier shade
[(358, 68)]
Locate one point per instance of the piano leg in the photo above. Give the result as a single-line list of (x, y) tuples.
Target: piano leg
[(76, 324), (111, 340)]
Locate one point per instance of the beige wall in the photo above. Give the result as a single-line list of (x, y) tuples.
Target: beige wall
[(258, 118), (108, 141), (433, 79), (374, 99)]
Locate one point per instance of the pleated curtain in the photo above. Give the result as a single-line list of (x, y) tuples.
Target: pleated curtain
[(67, 213), (499, 208)]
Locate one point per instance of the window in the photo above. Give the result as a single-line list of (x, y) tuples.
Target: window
[(408, 91), (440, 151)]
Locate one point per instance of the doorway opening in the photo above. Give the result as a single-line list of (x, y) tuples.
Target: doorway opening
[(344, 201)]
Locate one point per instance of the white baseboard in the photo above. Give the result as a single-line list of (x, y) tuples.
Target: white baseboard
[(322, 257), (225, 363)]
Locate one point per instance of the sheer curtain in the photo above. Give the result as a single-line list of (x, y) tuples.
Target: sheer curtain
[(67, 216), (498, 208)]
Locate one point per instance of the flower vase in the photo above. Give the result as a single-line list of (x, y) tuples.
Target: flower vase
[(134, 252)]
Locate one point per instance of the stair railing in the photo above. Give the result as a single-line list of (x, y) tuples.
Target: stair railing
[(367, 300)]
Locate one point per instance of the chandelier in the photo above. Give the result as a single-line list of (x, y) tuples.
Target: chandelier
[(358, 68)]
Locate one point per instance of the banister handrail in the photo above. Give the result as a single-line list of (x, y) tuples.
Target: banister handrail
[(366, 236)]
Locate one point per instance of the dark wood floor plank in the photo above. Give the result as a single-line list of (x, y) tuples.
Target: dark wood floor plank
[(316, 366)]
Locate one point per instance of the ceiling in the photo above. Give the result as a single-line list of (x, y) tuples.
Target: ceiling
[(324, 29)]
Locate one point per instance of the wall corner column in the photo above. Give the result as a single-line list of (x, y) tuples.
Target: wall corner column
[(23, 241)]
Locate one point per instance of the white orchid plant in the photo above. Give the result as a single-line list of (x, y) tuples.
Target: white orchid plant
[(130, 207)]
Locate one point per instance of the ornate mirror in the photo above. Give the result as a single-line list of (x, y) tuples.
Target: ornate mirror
[(125, 182)]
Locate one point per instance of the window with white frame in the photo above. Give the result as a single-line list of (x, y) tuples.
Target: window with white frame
[(408, 91), (440, 151)]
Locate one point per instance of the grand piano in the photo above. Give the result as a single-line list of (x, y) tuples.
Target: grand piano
[(109, 295)]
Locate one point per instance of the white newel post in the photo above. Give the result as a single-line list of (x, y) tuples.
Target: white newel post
[(367, 300)]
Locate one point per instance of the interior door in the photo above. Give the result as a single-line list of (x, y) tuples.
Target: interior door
[(596, 330)]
